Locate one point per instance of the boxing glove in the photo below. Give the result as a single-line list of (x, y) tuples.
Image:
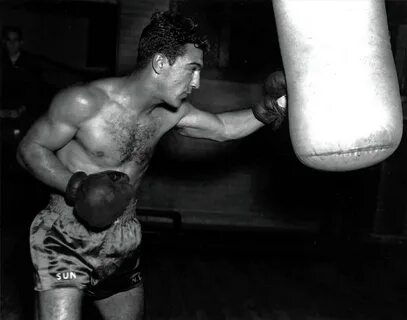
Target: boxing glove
[(272, 109), (100, 198)]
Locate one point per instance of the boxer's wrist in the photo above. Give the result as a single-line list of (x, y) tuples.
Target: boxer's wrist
[(72, 187)]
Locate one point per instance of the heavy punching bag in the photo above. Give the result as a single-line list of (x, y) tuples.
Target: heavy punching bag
[(343, 96)]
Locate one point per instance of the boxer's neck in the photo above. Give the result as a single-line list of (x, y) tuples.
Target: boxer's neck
[(140, 91)]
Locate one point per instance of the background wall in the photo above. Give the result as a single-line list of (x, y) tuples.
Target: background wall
[(256, 180), (58, 36), (73, 41), (133, 16)]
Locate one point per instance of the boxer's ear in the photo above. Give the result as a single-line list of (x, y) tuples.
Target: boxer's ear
[(158, 62)]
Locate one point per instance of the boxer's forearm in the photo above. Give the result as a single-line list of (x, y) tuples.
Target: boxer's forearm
[(239, 124), (44, 165)]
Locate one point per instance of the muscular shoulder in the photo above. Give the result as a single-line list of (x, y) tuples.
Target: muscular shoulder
[(77, 103), (108, 85)]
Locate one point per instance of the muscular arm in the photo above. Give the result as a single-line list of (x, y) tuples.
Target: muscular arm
[(270, 110), (219, 127), (53, 131)]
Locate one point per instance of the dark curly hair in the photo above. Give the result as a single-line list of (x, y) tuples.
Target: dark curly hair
[(168, 33)]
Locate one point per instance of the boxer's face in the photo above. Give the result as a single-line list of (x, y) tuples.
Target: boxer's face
[(183, 76)]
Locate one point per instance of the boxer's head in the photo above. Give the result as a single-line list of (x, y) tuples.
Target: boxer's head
[(173, 46)]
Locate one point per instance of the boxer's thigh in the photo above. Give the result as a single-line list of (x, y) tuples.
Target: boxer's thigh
[(59, 304), (123, 305)]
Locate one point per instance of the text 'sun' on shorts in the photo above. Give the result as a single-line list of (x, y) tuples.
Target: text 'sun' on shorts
[(66, 254)]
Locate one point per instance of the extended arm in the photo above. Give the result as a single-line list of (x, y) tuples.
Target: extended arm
[(50, 133), (219, 127), (270, 110)]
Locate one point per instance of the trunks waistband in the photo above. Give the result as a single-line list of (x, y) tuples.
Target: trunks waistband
[(57, 204)]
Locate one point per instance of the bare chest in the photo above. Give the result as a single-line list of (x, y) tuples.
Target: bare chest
[(120, 139)]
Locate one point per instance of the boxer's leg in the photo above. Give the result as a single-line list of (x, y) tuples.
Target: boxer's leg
[(123, 305), (60, 304), (58, 252)]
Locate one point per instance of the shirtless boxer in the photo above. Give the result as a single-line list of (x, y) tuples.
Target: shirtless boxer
[(93, 147)]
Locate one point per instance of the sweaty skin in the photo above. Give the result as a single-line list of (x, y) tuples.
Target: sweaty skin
[(113, 134), (116, 136), (115, 124)]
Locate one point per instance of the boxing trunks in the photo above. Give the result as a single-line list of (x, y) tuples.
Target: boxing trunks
[(66, 254)]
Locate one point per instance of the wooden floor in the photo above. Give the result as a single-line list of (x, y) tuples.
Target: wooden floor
[(218, 275)]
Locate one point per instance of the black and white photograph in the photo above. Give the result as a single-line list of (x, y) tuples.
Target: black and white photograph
[(203, 160)]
